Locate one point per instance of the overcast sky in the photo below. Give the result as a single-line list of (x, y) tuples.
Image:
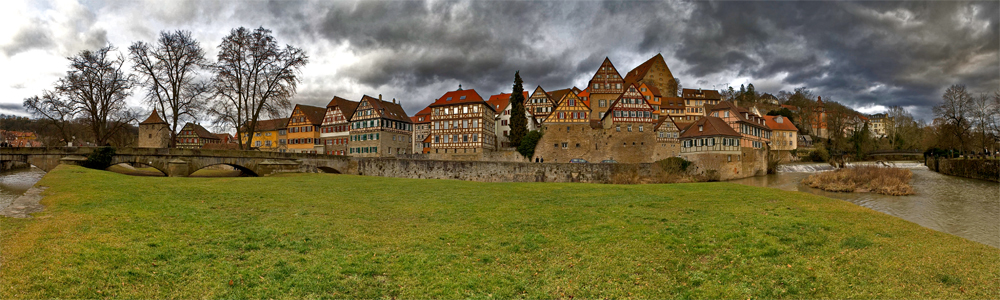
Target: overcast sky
[(867, 55)]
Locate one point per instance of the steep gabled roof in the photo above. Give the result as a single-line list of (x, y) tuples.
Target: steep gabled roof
[(347, 107), (613, 104), (388, 110), (154, 118), (313, 114), (272, 125), (710, 126), (665, 120), (784, 124), (607, 76), (750, 117)]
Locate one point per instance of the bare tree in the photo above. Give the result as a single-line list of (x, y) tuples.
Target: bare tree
[(169, 71), (955, 111), (96, 87), (57, 111), (253, 77), (981, 111)]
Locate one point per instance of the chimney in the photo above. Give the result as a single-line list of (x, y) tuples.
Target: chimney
[(379, 97), (393, 100)]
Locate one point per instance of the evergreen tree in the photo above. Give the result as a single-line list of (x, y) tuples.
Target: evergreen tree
[(518, 122)]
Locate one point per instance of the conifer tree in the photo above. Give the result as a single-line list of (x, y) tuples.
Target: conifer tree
[(518, 122)]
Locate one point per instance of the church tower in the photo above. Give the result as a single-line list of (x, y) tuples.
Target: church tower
[(154, 132)]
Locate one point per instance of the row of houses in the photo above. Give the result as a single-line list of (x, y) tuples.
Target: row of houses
[(639, 117)]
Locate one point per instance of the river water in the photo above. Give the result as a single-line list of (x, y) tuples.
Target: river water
[(14, 183), (968, 208)]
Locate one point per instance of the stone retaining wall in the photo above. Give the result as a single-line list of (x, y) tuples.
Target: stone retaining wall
[(487, 171), (985, 169)]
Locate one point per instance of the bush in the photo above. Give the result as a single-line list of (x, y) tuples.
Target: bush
[(674, 165), (880, 180), (100, 159), (819, 155), (527, 146)]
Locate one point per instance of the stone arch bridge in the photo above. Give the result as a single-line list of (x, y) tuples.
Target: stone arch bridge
[(182, 162)]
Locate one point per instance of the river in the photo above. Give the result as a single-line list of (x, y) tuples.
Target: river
[(14, 183), (968, 208)]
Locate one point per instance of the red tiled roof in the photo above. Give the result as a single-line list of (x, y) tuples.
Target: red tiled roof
[(772, 122), (154, 118), (640, 71), (500, 101), (710, 126), (558, 94), (459, 97), (426, 113), (389, 110)]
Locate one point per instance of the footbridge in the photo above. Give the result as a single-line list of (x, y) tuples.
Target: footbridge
[(897, 153), (182, 162)]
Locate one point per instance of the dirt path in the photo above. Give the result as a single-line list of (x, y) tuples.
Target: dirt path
[(25, 205)]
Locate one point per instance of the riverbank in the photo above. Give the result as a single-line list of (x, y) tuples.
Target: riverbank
[(109, 235)]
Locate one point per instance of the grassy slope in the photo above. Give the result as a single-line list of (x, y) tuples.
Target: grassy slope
[(109, 235)]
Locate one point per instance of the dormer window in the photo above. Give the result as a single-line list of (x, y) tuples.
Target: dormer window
[(461, 98), (701, 128), (448, 99)]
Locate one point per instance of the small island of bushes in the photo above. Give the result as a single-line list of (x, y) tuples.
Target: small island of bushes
[(863, 179)]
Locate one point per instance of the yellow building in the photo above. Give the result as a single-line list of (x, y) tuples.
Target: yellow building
[(270, 135), (304, 129)]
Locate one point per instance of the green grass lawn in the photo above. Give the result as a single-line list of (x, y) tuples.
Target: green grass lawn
[(107, 235)]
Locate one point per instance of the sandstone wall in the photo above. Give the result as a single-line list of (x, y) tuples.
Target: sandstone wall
[(488, 171)]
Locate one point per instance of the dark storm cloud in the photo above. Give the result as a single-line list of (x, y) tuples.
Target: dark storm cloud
[(913, 49)]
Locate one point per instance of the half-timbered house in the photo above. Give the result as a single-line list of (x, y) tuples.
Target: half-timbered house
[(303, 129), (604, 87), (380, 129), (463, 123), (335, 130)]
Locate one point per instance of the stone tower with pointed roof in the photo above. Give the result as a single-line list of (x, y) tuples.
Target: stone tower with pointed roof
[(154, 132)]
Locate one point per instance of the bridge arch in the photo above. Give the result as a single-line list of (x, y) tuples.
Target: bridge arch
[(328, 170), (244, 171), (139, 173)]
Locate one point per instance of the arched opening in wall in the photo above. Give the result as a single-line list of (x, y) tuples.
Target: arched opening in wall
[(223, 170), (328, 170), (136, 169)]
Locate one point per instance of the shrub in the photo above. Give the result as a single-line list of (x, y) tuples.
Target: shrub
[(674, 165), (527, 146), (100, 159), (819, 155)]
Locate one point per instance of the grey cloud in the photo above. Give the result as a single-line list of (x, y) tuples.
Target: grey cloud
[(34, 36)]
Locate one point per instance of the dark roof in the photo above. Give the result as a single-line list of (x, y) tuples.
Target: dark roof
[(313, 114), (271, 125), (224, 136), (388, 110), (201, 131), (558, 95), (710, 126), (726, 105), (664, 119), (693, 94), (640, 71), (347, 107), (459, 97), (154, 118)]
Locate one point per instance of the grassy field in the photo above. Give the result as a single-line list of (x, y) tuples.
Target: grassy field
[(107, 235)]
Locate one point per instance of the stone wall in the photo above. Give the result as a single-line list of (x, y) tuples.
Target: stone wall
[(596, 145), (984, 169), (489, 171), (716, 166)]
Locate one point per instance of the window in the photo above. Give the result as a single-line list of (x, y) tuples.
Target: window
[(465, 109), (465, 138), (475, 123), (565, 145), (618, 128), (256, 144), (640, 128), (630, 128), (475, 138), (572, 102)]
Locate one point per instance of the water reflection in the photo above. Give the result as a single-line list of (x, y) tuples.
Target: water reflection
[(964, 207), (14, 183)]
